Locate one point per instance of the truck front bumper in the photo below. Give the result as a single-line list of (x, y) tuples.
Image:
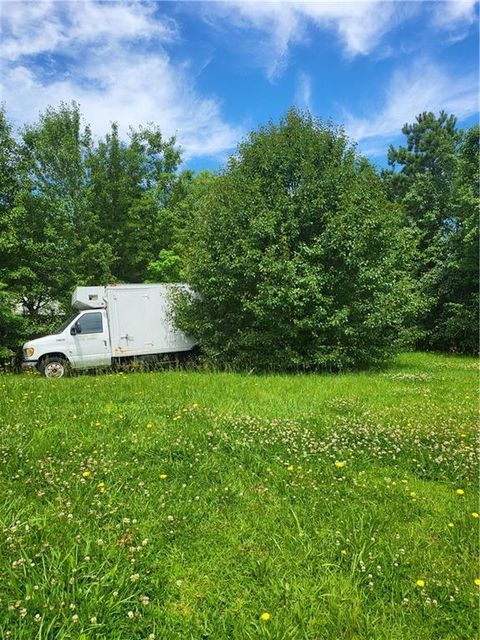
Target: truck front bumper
[(29, 365)]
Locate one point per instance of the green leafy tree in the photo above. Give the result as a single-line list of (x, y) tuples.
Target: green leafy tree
[(10, 323), (131, 182), (56, 230), (9, 187), (435, 178), (297, 258), (167, 268)]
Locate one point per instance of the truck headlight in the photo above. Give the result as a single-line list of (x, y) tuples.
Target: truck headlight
[(29, 351)]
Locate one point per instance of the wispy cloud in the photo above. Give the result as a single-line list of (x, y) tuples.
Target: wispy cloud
[(303, 93), (452, 14), (425, 86), (359, 26), (114, 62)]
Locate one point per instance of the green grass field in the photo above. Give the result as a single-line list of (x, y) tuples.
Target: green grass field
[(187, 504)]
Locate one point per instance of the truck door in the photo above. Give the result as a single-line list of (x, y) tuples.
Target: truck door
[(90, 344)]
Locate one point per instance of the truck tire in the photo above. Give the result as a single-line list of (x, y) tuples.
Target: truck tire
[(54, 367)]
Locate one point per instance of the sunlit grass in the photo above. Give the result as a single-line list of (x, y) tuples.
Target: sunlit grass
[(190, 505)]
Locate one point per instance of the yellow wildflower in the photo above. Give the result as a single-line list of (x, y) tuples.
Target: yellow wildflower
[(450, 524), (340, 464), (163, 476), (420, 583), (86, 474), (290, 467), (459, 492), (475, 514), (477, 582), (101, 487), (265, 616)]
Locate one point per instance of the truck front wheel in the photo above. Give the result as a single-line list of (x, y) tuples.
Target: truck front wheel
[(54, 367)]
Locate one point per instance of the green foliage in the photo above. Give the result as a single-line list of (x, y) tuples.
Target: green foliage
[(9, 322), (53, 224), (299, 260), (167, 268), (211, 498), (437, 186), (131, 182)]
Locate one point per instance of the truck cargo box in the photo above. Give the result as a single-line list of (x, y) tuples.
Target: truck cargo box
[(141, 321)]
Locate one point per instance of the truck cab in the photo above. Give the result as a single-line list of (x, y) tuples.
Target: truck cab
[(82, 342)]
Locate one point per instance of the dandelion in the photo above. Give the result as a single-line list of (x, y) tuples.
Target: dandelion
[(101, 487), (420, 583), (450, 524), (163, 476), (340, 464), (459, 492), (265, 617), (475, 514), (477, 582), (86, 474)]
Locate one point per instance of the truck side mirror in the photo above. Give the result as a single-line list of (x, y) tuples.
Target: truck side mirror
[(76, 328)]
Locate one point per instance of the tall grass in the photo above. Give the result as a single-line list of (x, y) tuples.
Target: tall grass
[(206, 505)]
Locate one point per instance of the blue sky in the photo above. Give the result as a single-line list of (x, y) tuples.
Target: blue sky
[(209, 72)]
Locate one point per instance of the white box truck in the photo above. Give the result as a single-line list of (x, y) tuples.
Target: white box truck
[(113, 323)]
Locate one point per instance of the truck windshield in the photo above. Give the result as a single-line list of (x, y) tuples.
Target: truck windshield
[(65, 324)]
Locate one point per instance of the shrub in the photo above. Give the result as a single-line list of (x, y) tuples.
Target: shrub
[(299, 259)]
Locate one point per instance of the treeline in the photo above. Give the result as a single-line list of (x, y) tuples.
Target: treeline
[(305, 256)]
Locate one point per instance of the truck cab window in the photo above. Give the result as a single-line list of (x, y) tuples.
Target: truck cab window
[(90, 323)]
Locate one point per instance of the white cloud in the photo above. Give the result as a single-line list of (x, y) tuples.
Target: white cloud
[(117, 68), (37, 27), (424, 87), (359, 25), (452, 14), (303, 93)]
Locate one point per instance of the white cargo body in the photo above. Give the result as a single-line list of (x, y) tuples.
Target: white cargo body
[(115, 322), (141, 322)]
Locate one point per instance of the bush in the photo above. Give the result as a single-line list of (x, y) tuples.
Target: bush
[(299, 260)]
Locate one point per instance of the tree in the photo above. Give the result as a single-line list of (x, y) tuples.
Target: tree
[(9, 187), (176, 221), (131, 182), (297, 258), (455, 280), (437, 185), (58, 246)]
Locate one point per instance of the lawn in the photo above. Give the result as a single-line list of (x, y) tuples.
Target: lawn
[(219, 506)]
